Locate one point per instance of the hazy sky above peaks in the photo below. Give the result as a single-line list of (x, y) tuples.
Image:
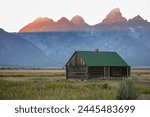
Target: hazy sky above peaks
[(14, 14)]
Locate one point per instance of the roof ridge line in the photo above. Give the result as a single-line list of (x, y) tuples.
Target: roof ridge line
[(96, 51)]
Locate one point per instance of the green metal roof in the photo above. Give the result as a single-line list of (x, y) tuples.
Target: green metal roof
[(93, 58)]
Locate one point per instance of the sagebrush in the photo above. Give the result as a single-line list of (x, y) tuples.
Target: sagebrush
[(127, 91)]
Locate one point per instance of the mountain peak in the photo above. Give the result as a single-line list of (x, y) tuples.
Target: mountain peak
[(115, 10), (38, 25), (138, 21), (44, 19), (2, 30), (114, 16), (63, 20), (78, 20), (137, 18)]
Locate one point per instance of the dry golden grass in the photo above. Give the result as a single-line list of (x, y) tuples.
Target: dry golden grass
[(141, 77), (57, 72), (31, 73), (145, 73)]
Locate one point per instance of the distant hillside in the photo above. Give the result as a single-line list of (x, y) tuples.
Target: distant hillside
[(14, 50), (59, 46), (53, 49)]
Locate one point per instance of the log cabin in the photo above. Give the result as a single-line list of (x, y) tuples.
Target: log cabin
[(96, 64)]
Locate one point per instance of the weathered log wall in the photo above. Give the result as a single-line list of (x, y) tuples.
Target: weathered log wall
[(77, 72)]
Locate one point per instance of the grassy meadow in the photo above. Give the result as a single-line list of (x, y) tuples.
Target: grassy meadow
[(51, 84)]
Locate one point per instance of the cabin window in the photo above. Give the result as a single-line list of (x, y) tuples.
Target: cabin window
[(117, 71), (96, 72)]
